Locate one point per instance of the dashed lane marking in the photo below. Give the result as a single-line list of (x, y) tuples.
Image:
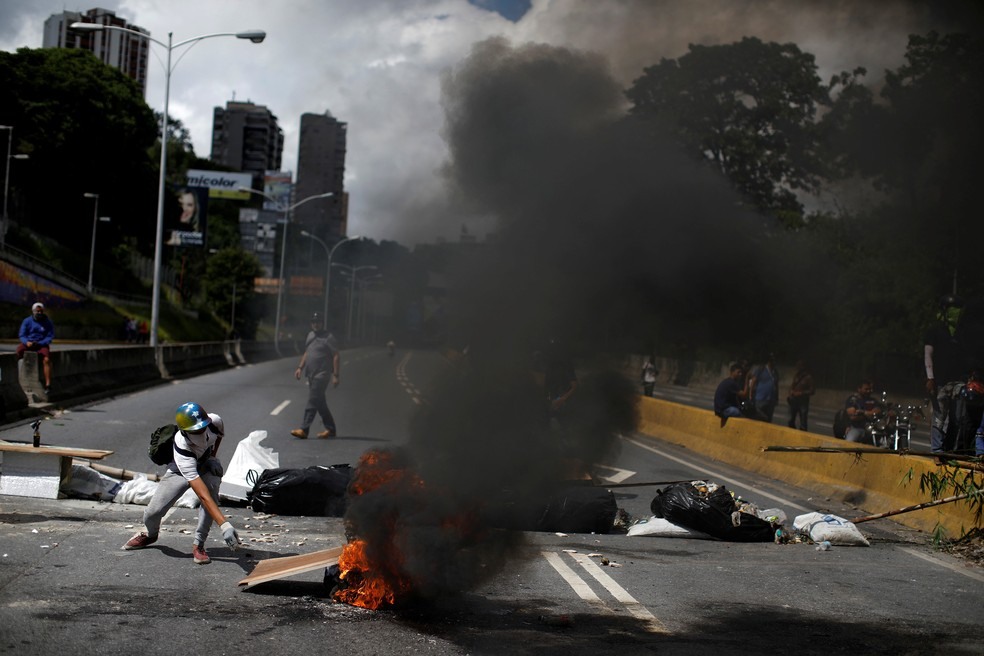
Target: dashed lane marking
[(584, 591), (630, 603), (280, 408)]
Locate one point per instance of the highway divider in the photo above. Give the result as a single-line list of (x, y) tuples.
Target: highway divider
[(875, 483), (82, 374)]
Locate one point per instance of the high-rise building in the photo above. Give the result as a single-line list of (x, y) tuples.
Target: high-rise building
[(127, 52), (320, 169), (247, 138)]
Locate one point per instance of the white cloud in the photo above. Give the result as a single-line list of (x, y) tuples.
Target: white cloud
[(377, 64)]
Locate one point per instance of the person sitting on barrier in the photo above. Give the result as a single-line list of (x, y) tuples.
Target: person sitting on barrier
[(194, 465), (729, 394), (36, 334), (861, 408)]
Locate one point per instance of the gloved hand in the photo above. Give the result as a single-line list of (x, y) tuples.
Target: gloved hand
[(230, 536)]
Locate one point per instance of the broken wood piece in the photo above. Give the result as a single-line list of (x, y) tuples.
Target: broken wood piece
[(278, 568), (116, 472), (918, 506)]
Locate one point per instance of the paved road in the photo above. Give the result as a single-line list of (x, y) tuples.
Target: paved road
[(66, 586)]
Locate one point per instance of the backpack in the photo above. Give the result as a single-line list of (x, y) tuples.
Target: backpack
[(161, 449), (840, 423)]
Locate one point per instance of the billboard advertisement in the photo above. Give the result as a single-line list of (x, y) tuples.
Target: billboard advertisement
[(188, 229), (221, 184), (276, 185)]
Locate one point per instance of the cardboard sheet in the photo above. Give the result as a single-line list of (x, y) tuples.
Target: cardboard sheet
[(278, 568)]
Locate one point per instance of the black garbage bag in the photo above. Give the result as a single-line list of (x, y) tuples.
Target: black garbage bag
[(313, 492), (568, 507), (711, 513)]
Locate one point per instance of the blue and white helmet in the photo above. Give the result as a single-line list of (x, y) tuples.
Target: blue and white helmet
[(191, 417)]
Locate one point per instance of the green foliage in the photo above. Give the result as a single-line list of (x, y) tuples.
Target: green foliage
[(749, 109), (956, 479), (86, 128), (230, 273)]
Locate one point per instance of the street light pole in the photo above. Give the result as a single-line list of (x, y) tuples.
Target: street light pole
[(330, 253), (353, 271), (6, 180), (92, 250), (255, 36), (283, 249)]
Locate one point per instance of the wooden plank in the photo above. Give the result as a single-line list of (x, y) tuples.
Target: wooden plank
[(279, 568), (72, 452)]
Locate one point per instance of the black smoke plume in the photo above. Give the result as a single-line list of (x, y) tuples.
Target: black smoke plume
[(601, 223)]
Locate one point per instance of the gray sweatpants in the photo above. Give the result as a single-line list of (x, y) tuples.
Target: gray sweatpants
[(169, 490)]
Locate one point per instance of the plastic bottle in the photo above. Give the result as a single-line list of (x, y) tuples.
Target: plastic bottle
[(824, 546)]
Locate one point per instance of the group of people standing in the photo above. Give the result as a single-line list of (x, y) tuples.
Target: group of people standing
[(753, 391)]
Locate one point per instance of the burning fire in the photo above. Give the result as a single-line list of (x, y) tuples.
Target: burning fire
[(370, 575), (365, 585)]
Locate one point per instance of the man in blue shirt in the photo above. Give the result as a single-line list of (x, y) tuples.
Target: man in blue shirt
[(36, 333)]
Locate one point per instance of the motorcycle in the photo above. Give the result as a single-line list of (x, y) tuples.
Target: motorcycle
[(892, 429)]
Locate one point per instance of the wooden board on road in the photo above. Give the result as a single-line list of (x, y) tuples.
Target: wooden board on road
[(279, 568), (72, 452)]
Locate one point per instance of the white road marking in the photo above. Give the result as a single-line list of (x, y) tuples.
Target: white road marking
[(582, 589), (716, 476), (630, 603), (618, 475), (280, 408), (953, 568)]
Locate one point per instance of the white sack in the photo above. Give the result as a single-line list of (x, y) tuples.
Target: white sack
[(831, 528), (248, 457), (139, 490), (659, 527), (87, 483)]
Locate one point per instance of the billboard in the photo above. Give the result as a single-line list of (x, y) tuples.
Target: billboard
[(221, 184), (188, 229), (277, 185)]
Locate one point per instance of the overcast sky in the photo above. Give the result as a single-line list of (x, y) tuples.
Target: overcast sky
[(377, 65)]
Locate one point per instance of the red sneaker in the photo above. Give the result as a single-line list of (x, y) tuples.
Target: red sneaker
[(139, 541), (198, 553)]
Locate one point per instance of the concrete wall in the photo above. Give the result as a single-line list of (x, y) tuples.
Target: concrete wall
[(875, 483), (94, 373)]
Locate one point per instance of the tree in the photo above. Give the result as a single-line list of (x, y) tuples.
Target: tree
[(750, 109), (87, 129), (920, 144), (230, 273)]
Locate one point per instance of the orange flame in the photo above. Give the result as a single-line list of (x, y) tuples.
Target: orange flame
[(366, 587)]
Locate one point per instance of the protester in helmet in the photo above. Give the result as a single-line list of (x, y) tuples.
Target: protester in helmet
[(195, 464)]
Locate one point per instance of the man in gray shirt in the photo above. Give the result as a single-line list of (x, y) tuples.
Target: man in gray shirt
[(320, 363)]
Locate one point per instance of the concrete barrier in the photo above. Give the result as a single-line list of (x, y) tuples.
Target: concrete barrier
[(875, 483), (13, 400)]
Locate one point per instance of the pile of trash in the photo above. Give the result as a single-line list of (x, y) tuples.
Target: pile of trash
[(705, 510)]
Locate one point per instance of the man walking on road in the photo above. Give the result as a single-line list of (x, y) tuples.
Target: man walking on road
[(320, 363)]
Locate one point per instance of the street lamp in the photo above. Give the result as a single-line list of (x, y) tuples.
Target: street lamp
[(283, 248), (92, 251), (255, 36), (353, 271), (6, 180), (330, 253)]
